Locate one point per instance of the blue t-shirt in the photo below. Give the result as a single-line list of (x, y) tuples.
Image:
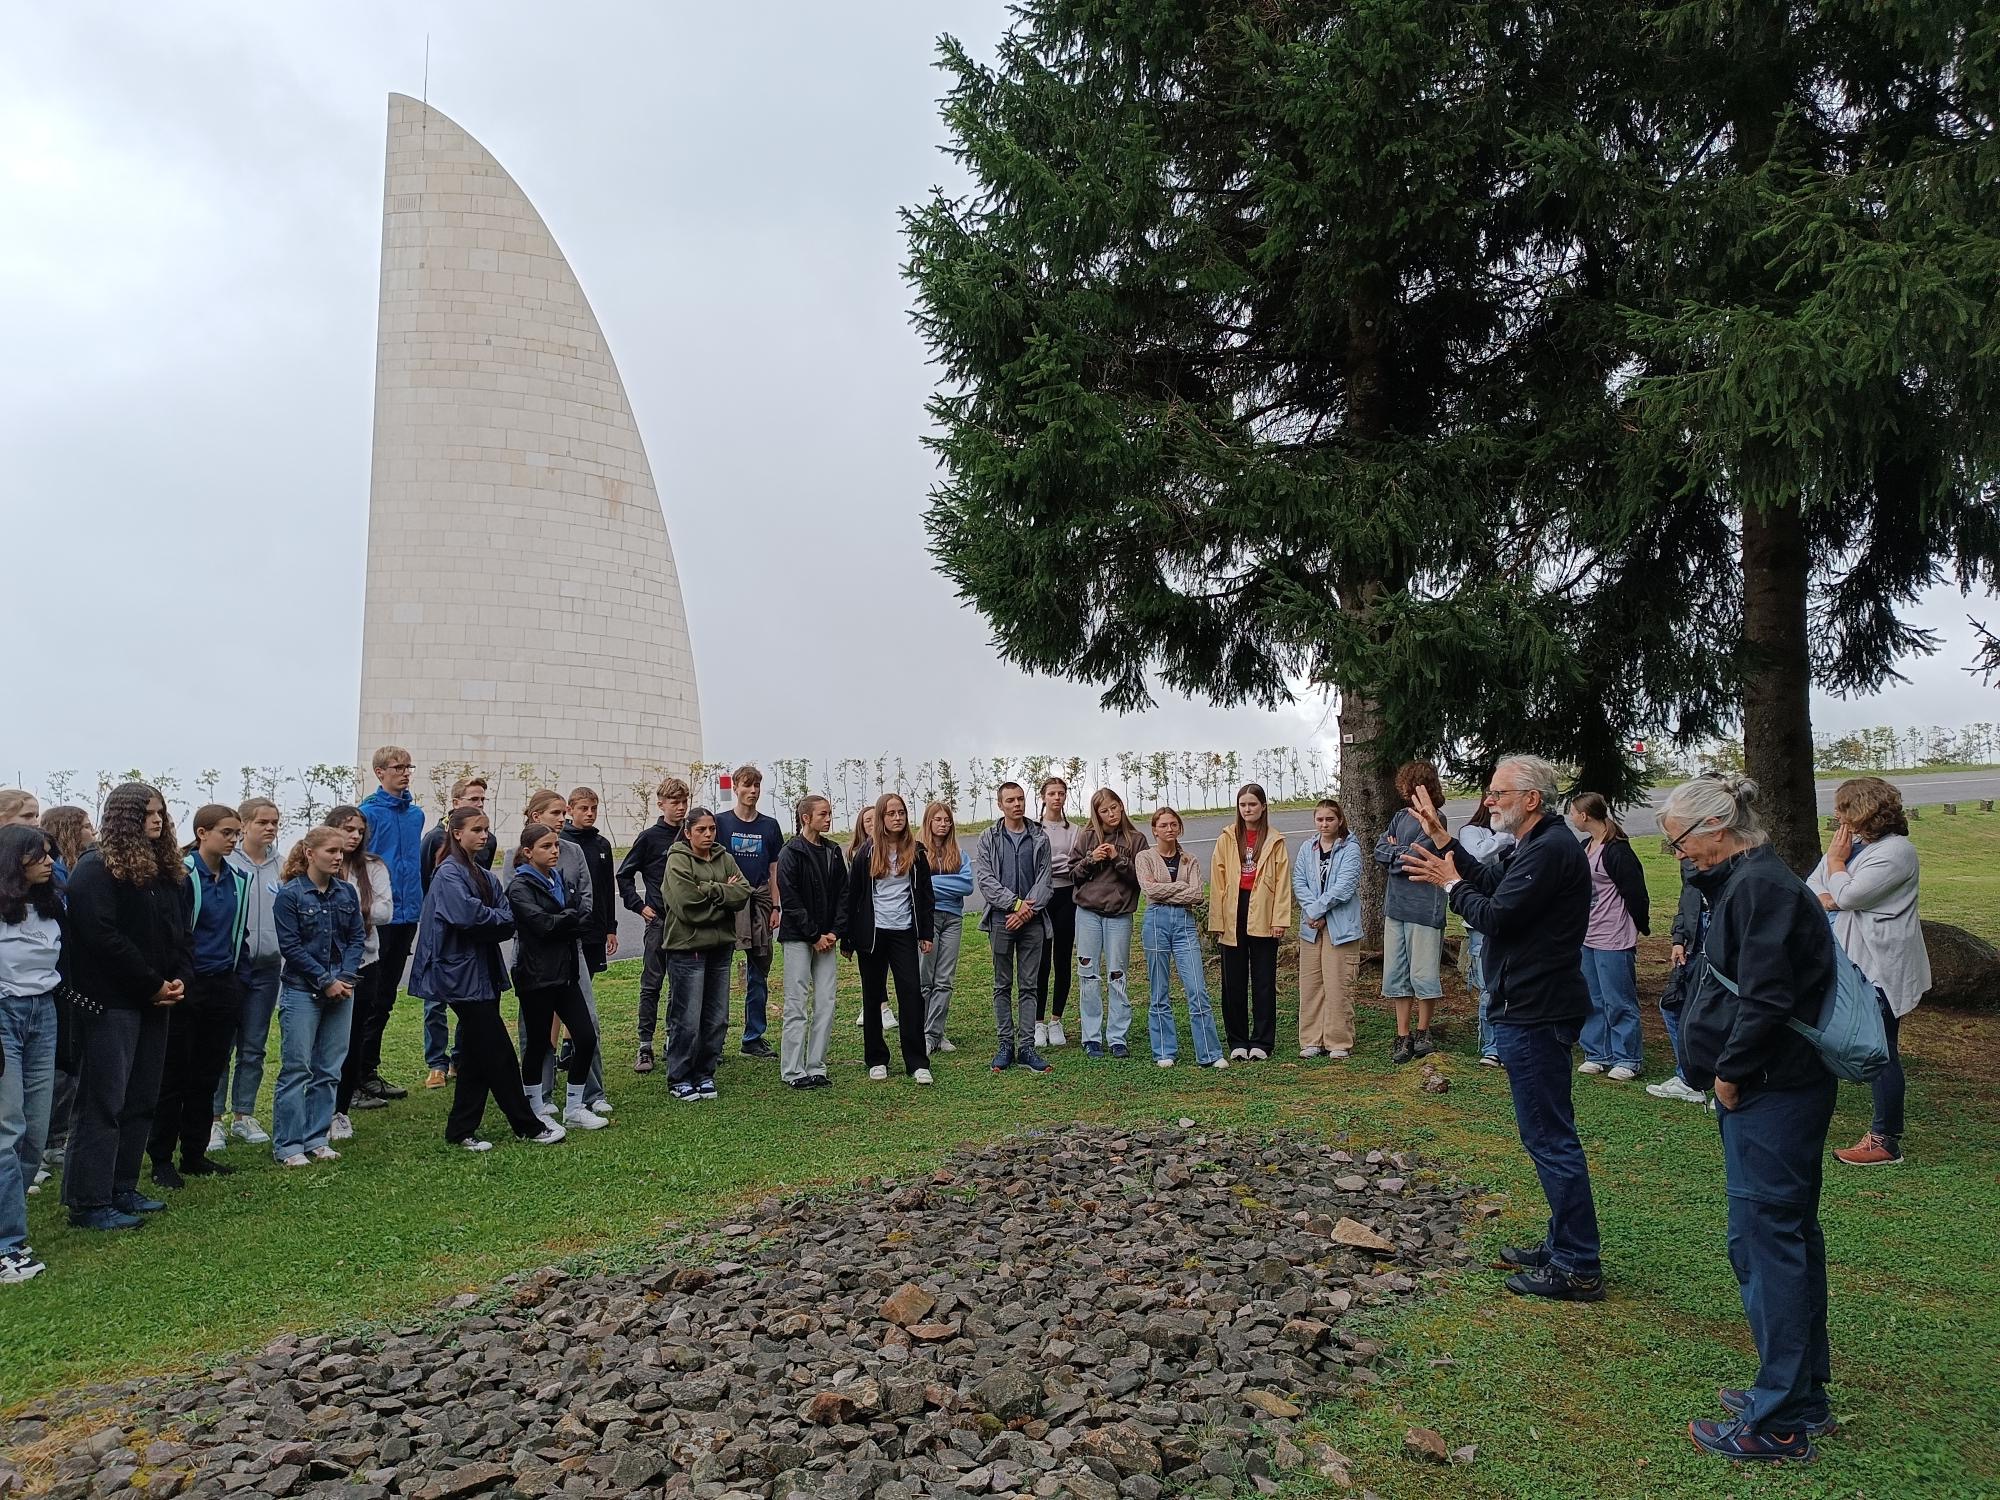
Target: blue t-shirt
[(753, 845)]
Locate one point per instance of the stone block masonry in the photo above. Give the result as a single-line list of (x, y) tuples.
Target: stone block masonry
[(522, 601)]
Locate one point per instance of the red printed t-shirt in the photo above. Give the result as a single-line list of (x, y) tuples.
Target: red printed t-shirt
[(1251, 839)]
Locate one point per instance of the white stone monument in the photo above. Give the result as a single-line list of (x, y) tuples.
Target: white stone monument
[(523, 609)]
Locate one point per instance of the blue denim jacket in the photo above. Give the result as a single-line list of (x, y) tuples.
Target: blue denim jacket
[(1338, 900), (319, 933)]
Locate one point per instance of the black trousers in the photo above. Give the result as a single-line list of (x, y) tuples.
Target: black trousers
[(1057, 954), (652, 975), (895, 953), (356, 1070), (1249, 986), (540, 1009), (200, 1031), (378, 998), (117, 1086), (486, 1065)]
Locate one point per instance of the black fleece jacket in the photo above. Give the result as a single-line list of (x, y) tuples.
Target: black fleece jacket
[(1769, 935), (646, 861), (1531, 903), (597, 859)]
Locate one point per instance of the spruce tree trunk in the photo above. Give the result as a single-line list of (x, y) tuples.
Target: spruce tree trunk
[(1368, 797), (1777, 688)]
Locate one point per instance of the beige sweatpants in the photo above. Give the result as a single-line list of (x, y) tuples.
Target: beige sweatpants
[(1326, 994)]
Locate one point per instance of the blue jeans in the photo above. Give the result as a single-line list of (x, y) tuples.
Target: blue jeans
[(253, 1041), (1611, 1033), (312, 1048), (1475, 948), (1773, 1148), (440, 1039), (1173, 941), (1412, 960), (28, 1038), (1537, 1059), (697, 1012), (1888, 1086), (1671, 1019), (1103, 954), (756, 991)]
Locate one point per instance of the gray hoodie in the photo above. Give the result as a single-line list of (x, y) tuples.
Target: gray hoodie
[(260, 927)]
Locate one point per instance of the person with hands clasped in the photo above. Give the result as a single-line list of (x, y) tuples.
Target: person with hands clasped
[(1106, 893), (321, 937), (1531, 903), (812, 903), (1011, 866), (1253, 865), (1171, 880), (1326, 882), (128, 950)]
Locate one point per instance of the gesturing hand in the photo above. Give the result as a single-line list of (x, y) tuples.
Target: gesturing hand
[(1427, 868), (1430, 816)]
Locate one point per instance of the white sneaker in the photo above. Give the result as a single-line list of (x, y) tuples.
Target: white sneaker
[(342, 1129), (922, 1075), (945, 1044), (296, 1159), (1258, 1054), (324, 1153), (17, 1266), (1622, 1074), (548, 1137), (1590, 1067), (1237, 1054), (1163, 1062), (1488, 1060), (1041, 1035), (1220, 1063), (888, 1019), (579, 1114), (246, 1129), (473, 1143), (1057, 1038), (1336, 1053), (1312, 1052), (599, 1106), (861, 1018), (217, 1141), (878, 1074), (1675, 1087)]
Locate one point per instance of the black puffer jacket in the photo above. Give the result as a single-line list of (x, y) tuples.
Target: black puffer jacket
[(1770, 936), (122, 942)]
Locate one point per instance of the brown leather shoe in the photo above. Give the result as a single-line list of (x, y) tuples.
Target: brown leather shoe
[(435, 1079)]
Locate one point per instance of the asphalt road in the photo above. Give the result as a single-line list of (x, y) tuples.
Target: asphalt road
[(1965, 786)]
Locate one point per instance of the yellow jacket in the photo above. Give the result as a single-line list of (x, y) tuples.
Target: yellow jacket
[(1270, 897)]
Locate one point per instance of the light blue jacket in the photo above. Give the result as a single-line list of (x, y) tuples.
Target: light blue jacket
[(950, 891), (1336, 896)]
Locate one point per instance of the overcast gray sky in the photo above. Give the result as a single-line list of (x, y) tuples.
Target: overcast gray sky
[(191, 202)]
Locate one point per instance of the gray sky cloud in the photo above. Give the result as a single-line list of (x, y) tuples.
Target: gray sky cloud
[(192, 197)]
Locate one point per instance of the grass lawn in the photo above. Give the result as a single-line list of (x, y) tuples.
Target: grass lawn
[(1561, 1401)]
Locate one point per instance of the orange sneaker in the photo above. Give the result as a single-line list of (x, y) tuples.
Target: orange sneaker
[(1871, 1150), (435, 1080)]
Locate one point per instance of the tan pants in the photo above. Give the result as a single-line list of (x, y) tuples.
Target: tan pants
[(1326, 994)]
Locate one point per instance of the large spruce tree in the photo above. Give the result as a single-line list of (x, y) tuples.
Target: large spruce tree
[(1813, 274), (1268, 360)]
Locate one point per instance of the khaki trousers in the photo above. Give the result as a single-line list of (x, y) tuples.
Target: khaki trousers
[(1326, 994)]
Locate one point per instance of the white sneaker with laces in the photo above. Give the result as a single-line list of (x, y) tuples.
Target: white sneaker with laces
[(296, 1159), (1163, 1062), (1622, 1074), (1057, 1036), (246, 1129), (580, 1115), (1220, 1063), (599, 1106), (549, 1136), (1238, 1054), (342, 1129), (1590, 1067), (945, 1044), (922, 1075), (1258, 1054), (473, 1143), (878, 1074), (17, 1266), (1675, 1087), (1488, 1060), (217, 1141), (324, 1153), (1336, 1053), (1312, 1052), (861, 1017), (889, 1022), (1041, 1035)]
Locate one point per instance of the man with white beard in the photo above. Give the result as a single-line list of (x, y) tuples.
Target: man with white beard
[(1531, 904)]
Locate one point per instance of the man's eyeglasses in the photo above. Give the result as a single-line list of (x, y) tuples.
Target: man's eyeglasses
[(399, 765), (1495, 793)]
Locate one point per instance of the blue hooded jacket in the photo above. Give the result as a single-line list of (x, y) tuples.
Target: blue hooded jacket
[(395, 835)]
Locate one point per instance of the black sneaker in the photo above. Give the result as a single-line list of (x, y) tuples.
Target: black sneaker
[(203, 1166), (645, 1060), (1033, 1061), (706, 1088), (165, 1176), (381, 1088), (819, 1081), (136, 1203), (1736, 1402), (1557, 1286), (1401, 1052), (367, 1101), (758, 1048), (1524, 1257), (1118, 1049), (104, 1219), (1733, 1441), (1421, 1044), (803, 1081)]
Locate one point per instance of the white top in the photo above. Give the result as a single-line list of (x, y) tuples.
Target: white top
[(1483, 843), (1875, 918), (380, 910), (29, 949)]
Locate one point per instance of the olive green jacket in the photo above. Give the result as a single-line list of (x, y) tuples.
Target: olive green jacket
[(701, 902)]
